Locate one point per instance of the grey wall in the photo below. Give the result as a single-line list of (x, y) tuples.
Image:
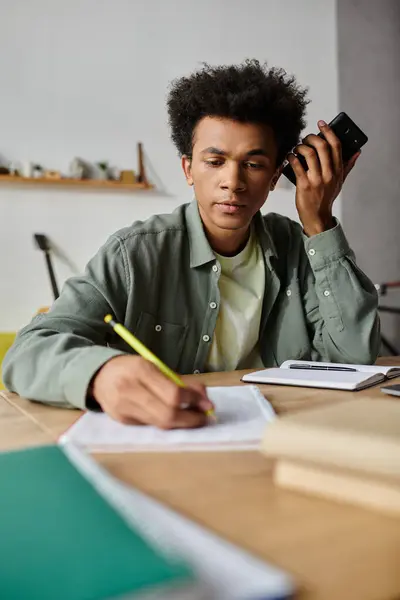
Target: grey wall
[(369, 90)]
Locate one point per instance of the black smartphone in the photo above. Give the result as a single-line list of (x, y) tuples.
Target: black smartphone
[(393, 390), (350, 135)]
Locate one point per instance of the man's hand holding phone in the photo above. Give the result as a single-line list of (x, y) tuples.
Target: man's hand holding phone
[(318, 187)]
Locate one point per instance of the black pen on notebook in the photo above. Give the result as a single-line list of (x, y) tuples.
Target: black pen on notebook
[(321, 368)]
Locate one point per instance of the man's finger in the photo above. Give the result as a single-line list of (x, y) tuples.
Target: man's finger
[(199, 389), (311, 157), (350, 164), (189, 419), (126, 412), (128, 420), (301, 177), (154, 411), (335, 145), (322, 149), (161, 415)]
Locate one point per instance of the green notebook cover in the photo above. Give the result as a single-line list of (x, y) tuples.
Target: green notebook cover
[(59, 539)]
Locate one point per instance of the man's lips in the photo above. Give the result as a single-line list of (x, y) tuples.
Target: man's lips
[(230, 207)]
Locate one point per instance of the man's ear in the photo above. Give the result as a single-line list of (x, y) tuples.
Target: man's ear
[(275, 178), (187, 168)]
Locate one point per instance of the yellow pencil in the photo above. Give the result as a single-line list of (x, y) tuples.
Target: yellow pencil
[(141, 349)]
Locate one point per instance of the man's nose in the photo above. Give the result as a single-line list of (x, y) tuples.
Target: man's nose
[(233, 178)]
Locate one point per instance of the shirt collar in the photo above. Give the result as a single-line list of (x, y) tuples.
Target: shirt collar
[(264, 236), (201, 252)]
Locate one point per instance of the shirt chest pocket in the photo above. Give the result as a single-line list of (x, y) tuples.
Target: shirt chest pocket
[(165, 339), (292, 341)]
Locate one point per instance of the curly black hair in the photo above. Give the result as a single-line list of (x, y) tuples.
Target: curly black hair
[(248, 92)]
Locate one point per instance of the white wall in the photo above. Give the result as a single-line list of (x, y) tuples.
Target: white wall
[(89, 78)]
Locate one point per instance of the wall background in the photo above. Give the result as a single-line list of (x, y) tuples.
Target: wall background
[(90, 78)]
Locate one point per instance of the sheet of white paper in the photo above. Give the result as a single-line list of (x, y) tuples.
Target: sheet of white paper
[(227, 571), (242, 413)]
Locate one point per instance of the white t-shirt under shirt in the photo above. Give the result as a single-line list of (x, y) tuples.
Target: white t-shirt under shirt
[(241, 286)]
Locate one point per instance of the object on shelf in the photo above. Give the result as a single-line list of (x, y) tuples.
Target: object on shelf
[(52, 174), (78, 169), (103, 169), (15, 168), (26, 169), (114, 173), (37, 171), (142, 178), (127, 177)]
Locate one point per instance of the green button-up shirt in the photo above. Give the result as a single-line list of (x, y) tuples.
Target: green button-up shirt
[(160, 279)]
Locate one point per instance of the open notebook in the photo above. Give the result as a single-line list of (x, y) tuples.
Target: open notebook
[(242, 414), (324, 375)]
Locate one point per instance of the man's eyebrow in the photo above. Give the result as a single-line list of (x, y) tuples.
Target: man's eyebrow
[(212, 150), (257, 152), (219, 152)]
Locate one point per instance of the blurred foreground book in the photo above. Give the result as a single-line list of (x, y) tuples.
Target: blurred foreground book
[(71, 531), (349, 451), (61, 539)]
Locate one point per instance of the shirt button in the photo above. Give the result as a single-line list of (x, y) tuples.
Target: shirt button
[(158, 328), (196, 372), (215, 268), (213, 305), (311, 252), (327, 293), (288, 292), (206, 338)]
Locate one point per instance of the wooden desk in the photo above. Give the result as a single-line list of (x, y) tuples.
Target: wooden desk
[(17, 431), (334, 551)]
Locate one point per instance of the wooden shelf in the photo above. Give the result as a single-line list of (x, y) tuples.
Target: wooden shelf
[(82, 183)]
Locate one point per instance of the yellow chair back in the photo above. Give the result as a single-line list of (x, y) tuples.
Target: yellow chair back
[(6, 341)]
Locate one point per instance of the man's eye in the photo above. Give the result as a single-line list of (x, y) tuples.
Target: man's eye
[(253, 165), (215, 162)]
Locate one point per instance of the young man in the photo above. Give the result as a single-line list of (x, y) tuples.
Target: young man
[(214, 285)]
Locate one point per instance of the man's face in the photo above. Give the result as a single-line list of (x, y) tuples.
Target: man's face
[(233, 168)]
